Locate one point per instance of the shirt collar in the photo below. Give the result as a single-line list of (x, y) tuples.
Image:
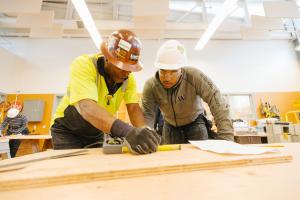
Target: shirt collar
[(112, 89)]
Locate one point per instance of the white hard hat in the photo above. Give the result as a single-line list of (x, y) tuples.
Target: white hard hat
[(12, 112), (171, 55)]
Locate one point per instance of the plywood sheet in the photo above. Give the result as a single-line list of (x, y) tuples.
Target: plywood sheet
[(21, 162), (97, 166)]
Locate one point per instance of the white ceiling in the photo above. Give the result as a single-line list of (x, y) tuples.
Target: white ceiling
[(182, 19)]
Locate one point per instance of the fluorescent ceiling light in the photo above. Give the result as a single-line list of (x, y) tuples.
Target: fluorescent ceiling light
[(88, 21), (227, 8), (182, 5)]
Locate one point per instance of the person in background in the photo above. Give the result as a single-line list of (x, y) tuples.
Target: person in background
[(98, 83), (177, 90), (16, 123)]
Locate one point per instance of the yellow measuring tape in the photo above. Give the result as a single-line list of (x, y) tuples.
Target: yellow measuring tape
[(167, 147)]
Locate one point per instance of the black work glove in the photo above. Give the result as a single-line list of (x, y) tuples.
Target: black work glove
[(138, 140), (142, 140)]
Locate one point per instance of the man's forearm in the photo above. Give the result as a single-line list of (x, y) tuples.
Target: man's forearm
[(225, 129), (136, 115), (148, 109), (96, 115)]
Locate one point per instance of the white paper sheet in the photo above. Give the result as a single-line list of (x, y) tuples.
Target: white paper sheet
[(229, 147)]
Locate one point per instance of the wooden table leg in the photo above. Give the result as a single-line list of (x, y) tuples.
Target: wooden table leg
[(47, 145), (35, 146), (5, 155)]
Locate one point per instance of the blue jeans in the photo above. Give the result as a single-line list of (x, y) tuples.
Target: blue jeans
[(196, 130), (15, 144)]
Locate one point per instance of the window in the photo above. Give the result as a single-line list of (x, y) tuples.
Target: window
[(241, 106), (57, 100)]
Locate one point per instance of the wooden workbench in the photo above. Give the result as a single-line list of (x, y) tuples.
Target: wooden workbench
[(272, 181), (29, 137), (250, 138)]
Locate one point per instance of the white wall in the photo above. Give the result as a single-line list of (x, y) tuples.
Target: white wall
[(45, 66), (9, 71), (42, 65)]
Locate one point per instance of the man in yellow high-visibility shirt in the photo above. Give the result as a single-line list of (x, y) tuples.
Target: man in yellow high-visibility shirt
[(97, 85)]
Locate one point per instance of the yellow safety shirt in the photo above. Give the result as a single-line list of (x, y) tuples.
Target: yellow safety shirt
[(86, 83)]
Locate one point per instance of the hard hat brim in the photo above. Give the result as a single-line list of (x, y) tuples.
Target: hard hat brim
[(124, 66), (168, 66)]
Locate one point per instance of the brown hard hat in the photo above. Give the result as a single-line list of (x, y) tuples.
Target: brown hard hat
[(122, 49)]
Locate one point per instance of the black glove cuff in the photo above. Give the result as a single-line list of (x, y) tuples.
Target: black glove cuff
[(120, 128)]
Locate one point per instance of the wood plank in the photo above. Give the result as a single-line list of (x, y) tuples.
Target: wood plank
[(247, 139), (275, 182), (262, 182), (50, 154), (97, 166)]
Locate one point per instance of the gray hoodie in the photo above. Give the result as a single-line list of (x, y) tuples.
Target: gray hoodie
[(181, 104)]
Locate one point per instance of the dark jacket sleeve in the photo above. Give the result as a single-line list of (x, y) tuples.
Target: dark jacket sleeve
[(209, 92), (149, 105), (23, 126), (4, 123)]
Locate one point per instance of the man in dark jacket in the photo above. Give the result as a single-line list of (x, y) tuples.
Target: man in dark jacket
[(177, 90)]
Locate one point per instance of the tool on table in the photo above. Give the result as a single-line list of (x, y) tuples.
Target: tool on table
[(113, 145), (117, 145)]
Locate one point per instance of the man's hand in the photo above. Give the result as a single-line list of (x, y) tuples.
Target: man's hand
[(142, 140), (139, 140)]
